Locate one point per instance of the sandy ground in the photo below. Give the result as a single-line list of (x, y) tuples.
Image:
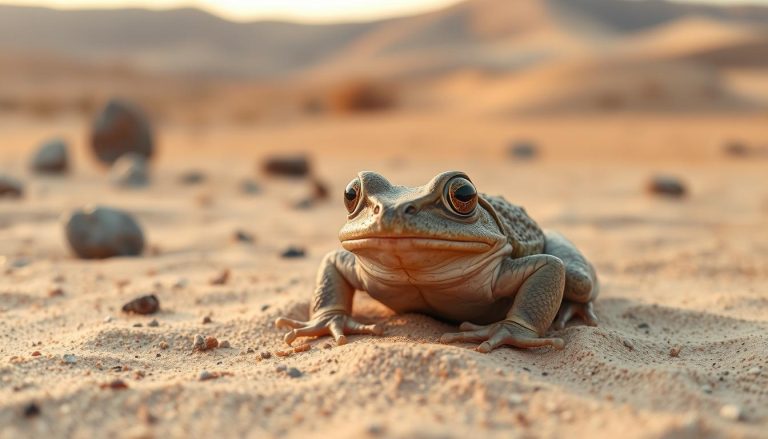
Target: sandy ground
[(688, 275)]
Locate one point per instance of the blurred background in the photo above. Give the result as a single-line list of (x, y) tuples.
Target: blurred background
[(260, 65), (520, 90)]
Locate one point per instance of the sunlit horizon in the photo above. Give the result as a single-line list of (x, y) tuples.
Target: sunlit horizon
[(290, 10)]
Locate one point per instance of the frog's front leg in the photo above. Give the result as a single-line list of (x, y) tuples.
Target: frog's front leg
[(337, 281), (536, 283)]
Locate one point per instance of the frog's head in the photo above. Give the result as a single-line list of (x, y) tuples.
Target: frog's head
[(416, 225)]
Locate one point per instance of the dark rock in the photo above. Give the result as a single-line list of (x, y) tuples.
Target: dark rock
[(102, 232), (243, 236), (192, 177), (130, 170), (286, 166), (294, 373), (51, 158), (31, 410), (736, 148), (148, 304), (119, 129), (293, 252), (523, 150), (666, 185), (116, 384), (10, 187)]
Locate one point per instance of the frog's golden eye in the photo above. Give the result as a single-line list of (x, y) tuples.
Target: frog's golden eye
[(352, 195), (462, 195)]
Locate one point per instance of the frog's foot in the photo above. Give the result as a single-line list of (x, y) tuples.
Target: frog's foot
[(337, 324), (570, 309), (494, 335)]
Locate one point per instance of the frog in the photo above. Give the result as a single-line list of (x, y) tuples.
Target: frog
[(455, 254)]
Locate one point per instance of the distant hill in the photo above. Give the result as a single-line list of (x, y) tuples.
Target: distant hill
[(492, 34)]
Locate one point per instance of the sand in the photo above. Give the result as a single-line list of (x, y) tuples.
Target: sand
[(683, 309)]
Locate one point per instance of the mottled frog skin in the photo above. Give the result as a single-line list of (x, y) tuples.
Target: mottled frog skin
[(445, 250)]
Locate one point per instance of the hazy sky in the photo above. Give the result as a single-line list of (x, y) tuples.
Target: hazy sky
[(305, 10)]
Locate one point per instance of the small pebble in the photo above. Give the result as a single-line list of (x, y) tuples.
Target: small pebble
[(36, 354), (206, 320), (107, 319), (224, 344), (281, 368), (675, 351), (56, 292), (137, 325), (643, 326), (211, 343), (222, 278), (199, 343), (51, 158), (180, 284), (327, 346), (629, 345), (731, 412), (10, 187), (706, 389), (31, 410), (163, 345), (148, 304), (192, 177), (205, 375), (293, 252), (286, 166), (293, 372), (69, 358), (153, 324), (117, 384), (243, 236), (754, 371), (283, 353), (667, 186), (522, 150), (265, 355), (302, 348)]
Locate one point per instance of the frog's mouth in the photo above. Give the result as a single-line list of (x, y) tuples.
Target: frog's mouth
[(411, 243)]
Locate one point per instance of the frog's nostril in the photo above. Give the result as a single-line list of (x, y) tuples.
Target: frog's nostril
[(376, 210), (409, 209)]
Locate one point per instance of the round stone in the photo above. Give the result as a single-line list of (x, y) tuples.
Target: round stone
[(119, 129), (51, 158), (10, 187), (102, 232)]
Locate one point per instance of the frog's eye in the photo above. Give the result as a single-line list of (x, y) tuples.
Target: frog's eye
[(352, 195), (462, 195)]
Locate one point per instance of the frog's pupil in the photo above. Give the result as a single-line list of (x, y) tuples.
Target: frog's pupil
[(350, 194), (465, 193)]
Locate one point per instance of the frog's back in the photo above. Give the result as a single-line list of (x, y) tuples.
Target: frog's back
[(525, 236)]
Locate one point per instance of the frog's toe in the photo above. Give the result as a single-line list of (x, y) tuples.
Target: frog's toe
[(500, 339), (466, 335), (306, 331)]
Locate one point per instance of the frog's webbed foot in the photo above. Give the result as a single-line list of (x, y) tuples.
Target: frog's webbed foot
[(506, 332), (337, 324), (570, 309)]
